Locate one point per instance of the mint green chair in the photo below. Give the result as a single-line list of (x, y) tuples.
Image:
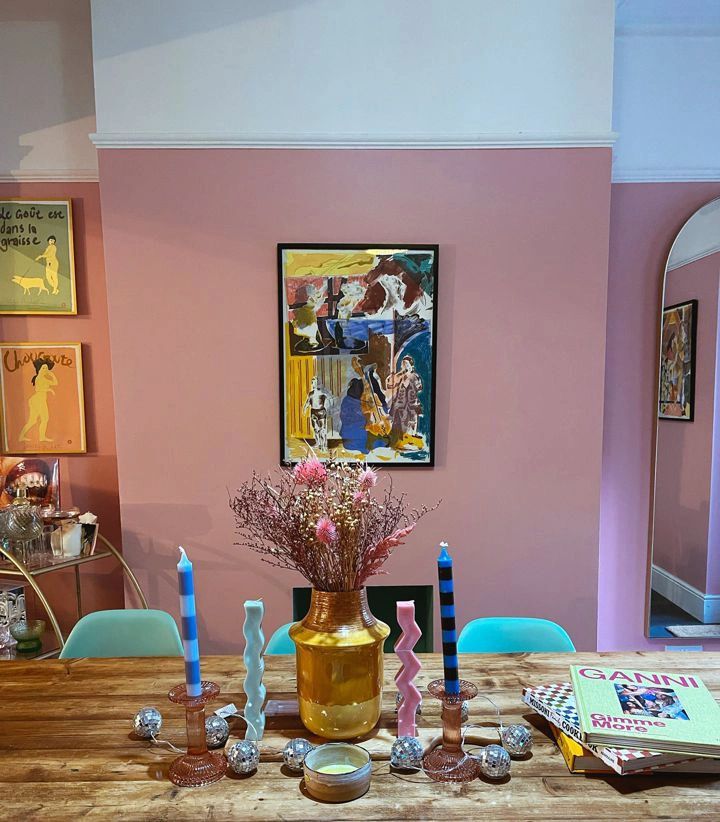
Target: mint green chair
[(508, 635), (141, 632), (280, 642)]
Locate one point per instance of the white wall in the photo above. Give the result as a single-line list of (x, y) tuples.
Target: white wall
[(667, 98), (47, 106), (377, 72)]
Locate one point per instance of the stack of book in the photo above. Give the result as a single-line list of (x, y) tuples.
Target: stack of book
[(625, 721)]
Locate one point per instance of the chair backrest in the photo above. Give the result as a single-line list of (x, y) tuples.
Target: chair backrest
[(382, 600), (124, 633), (505, 635), (280, 642)]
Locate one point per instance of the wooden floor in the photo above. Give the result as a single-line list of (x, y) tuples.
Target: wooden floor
[(67, 749)]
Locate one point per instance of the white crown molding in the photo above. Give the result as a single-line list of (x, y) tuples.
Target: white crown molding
[(666, 175), (348, 141), (667, 30), (705, 607), (50, 175), (706, 252)]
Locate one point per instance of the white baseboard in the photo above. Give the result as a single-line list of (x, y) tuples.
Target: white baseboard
[(705, 607)]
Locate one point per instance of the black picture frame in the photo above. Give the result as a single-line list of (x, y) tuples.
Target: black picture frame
[(690, 388), (434, 249)]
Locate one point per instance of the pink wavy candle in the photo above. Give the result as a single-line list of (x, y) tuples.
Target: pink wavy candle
[(407, 640)]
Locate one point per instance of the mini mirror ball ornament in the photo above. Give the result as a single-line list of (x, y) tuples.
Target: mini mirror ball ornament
[(295, 752), (516, 739), (217, 731), (243, 757), (147, 722), (494, 762), (406, 753)]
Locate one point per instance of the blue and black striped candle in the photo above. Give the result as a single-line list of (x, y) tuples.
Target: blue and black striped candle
[(188, 617), (447, 621)]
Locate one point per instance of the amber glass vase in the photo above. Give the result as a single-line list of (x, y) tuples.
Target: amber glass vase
[(339, 649)]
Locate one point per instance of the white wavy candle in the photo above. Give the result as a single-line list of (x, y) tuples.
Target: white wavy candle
[(255, 668)]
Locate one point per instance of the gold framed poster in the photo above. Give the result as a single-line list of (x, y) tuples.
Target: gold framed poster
[(41, 394), (37, 260)]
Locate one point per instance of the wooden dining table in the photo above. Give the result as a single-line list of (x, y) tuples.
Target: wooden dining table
[(68, 750)]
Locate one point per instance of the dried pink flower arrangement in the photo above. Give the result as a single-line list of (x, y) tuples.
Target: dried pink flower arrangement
[(321, 519)]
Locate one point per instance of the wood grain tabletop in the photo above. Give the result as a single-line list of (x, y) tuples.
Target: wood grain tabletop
[(67, 750)]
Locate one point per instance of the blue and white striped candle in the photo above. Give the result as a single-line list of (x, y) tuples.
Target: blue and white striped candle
[(447, 621), (189, 625)]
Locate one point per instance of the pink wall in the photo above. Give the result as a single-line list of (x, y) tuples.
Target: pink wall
[(645, 217), (685, 449), (89, 480), (191, 252)]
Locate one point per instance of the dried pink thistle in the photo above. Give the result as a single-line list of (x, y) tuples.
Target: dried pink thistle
[(325, 531), (359, 497), (367, 480), (310, 472)]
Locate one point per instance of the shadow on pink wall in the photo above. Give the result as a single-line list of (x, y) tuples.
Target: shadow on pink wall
[(190, 239), (645, 218)]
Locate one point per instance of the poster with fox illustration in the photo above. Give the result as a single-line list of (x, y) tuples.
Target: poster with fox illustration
[(37, 267), (357, 353), (41, 389)]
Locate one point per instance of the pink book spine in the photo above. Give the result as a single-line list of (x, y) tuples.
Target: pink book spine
[(407, 640)]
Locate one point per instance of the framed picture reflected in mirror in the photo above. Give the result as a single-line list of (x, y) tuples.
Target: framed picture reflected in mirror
[(677, 361)]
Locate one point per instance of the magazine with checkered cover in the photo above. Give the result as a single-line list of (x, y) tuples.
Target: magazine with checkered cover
[(670, 712), (556, 702)]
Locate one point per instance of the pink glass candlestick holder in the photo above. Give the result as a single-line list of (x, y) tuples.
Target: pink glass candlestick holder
[(449, 762), (198, 766)]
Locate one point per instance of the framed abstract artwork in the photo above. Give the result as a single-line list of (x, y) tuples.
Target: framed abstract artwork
[(37, 264), (677, 362), (358, 326), (39, 477), (41, 393)]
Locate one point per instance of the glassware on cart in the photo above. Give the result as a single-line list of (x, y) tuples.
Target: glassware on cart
[(21, 528), (62, 532)]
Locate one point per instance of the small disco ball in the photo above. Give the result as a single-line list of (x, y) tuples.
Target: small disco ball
[(295, 752), (406, 753), (516, 739), (464, 711), (398, 703), (243, 756), (216, 731), (147, 722), (494, 762)]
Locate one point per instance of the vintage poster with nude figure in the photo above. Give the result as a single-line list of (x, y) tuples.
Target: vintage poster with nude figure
[(41, 388), (357, 353), (37, 268)]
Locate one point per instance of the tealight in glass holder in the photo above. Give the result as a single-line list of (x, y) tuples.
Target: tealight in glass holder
[(449, 762), (198, 766)]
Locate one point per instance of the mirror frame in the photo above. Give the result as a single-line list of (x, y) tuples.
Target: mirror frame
[(653, 448)]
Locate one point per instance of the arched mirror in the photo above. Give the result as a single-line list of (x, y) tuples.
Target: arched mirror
[(684, 589)]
